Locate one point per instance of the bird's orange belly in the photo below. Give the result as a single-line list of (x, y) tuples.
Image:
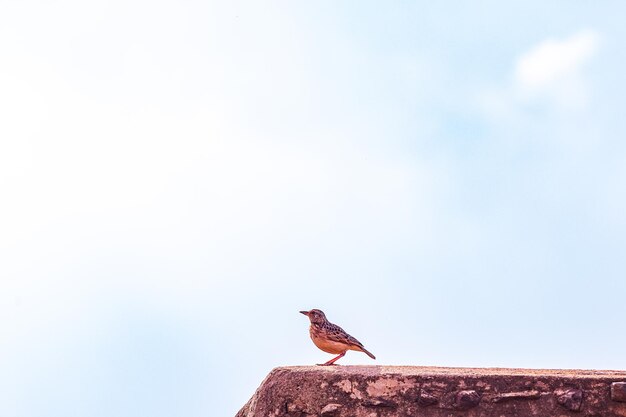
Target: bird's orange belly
[(329, 346)]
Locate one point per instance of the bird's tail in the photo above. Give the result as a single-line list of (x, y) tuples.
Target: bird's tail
[(368, 353)]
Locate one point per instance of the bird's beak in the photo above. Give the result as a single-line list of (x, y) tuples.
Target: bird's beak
[(306, 313)]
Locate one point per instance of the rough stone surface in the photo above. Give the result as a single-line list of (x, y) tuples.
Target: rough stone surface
[(425, 399), (467, 399), (381, 391), (618, 391), (330, 410), (571, 399), (521, 395)]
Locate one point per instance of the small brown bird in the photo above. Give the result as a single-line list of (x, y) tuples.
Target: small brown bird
[(330, 337)]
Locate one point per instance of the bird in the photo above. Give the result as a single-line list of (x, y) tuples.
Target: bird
[(331, 338)]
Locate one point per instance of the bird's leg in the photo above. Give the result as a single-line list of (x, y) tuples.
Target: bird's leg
[(333, 360)]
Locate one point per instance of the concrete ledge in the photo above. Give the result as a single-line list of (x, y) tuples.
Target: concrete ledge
[(370, 391)]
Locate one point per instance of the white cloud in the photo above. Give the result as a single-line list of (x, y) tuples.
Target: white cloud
[(547, 77), (552, 59), (553, 69)]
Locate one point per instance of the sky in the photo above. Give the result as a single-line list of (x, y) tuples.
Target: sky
[(446, 180)]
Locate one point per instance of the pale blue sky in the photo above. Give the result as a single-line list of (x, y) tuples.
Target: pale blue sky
[(178, 179)]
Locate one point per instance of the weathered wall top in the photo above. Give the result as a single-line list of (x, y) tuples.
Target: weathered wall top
[(372, 391)]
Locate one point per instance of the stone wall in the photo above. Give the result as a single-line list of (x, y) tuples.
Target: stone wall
[(371, 391)]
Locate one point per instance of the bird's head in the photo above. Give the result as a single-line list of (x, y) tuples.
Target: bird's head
[(316, 316)]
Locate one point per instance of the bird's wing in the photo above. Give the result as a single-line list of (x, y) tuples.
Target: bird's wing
[(338, 334)]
